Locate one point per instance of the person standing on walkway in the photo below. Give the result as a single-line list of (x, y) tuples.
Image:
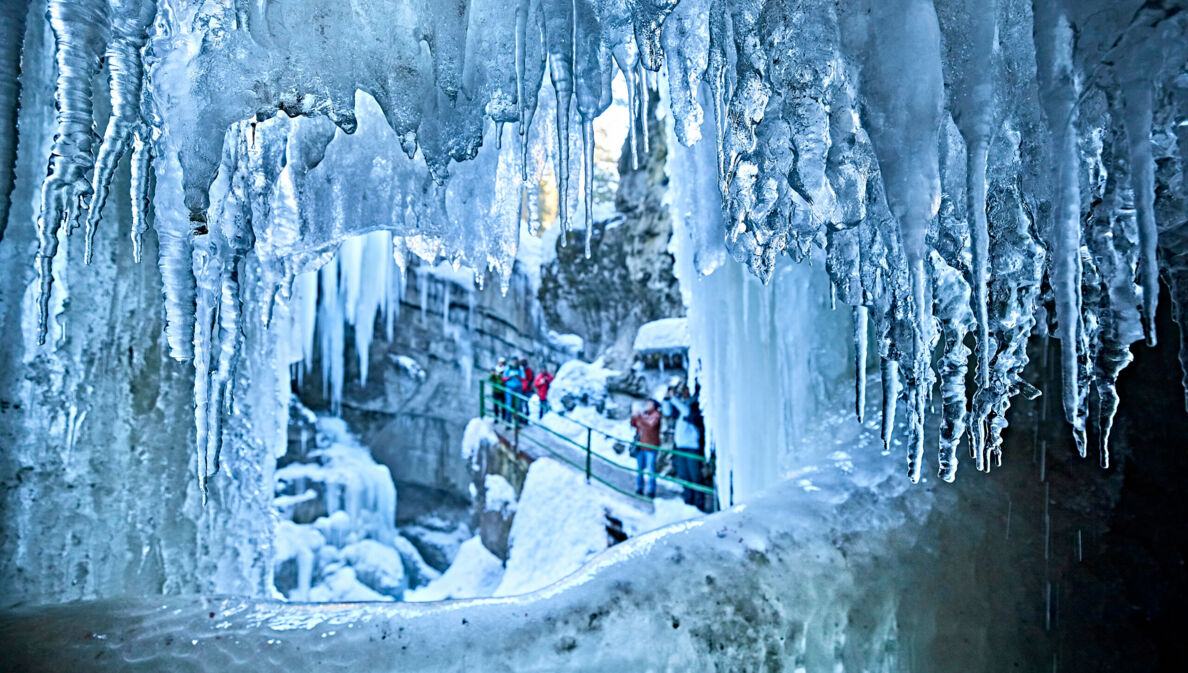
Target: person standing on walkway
[(496, 378), (513, 380), (647, 434), (526, 386), (541, 383), (679, 404)]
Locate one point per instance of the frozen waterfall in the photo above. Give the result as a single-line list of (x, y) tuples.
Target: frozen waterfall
[(879, 207)]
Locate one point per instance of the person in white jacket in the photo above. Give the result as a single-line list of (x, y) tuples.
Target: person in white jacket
[(687, 437)]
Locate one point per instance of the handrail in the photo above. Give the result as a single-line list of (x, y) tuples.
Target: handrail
[(634, 442), (519, 418)]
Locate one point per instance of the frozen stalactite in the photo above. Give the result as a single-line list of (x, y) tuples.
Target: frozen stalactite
[(904, 124), (971, 41), (139, 170), (1137, 102), (1054, 53), (80, 34), (889, 370), (860, 314), (129, 31), (952, 295)]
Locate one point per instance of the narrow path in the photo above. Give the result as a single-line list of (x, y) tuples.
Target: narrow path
[(536, 443)]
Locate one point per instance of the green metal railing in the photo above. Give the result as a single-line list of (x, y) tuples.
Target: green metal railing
[(490, 405)]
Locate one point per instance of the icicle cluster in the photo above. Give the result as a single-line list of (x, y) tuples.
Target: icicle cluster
[(949, 157), (945, 156)]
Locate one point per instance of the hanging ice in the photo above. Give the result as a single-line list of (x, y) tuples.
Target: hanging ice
[(922, 148)]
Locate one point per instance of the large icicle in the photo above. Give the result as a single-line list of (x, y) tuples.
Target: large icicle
[(80, 35), (129, 24), (1054, 47), (904, 126)]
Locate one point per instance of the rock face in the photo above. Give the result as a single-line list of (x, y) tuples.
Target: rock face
[(423, 384), (628, 279)]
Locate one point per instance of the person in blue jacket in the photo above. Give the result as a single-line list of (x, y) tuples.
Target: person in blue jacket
[(678, 404), (513, 381)]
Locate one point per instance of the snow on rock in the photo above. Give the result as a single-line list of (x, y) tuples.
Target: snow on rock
[(410, 367), (500, 494), (475, 572), (570, 343), (478, 434), (342, 584), (561, 524), (665, 335), (378, 566), (583, 382), (437, 539)]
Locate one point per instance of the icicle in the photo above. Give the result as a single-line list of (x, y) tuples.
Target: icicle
[(890, 372), (1054, 47), (953, 311), (130, 22), (588, 175), (230, 344), (642, 99), (206, 315), (559, 27), (1137, 98), (624, 60), (141, 159), (79, 36), (860, 314)]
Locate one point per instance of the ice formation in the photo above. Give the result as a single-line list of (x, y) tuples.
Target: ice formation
[(337, 538), (957, 165)]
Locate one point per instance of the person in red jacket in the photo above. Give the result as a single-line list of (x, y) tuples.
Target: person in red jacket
[(541, 383), (528, 376), (647, 434)]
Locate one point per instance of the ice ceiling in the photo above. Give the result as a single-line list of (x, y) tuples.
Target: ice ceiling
[(970, 171)]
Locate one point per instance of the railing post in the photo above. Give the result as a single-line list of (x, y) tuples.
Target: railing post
[(588, 430), (511, 402)]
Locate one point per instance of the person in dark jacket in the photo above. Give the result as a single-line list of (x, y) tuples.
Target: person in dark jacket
[(542, 382), (647, 433), (499, 399)]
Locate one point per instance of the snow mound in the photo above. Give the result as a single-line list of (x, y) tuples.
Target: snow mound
[(561, 524), (475, 572)]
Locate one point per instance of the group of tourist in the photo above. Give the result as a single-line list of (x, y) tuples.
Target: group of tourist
[(513, 383), (688, 443)]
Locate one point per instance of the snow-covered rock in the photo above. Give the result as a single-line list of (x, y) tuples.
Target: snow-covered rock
[(378, 566), (475, 572), (581, 382), (665, 335)]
